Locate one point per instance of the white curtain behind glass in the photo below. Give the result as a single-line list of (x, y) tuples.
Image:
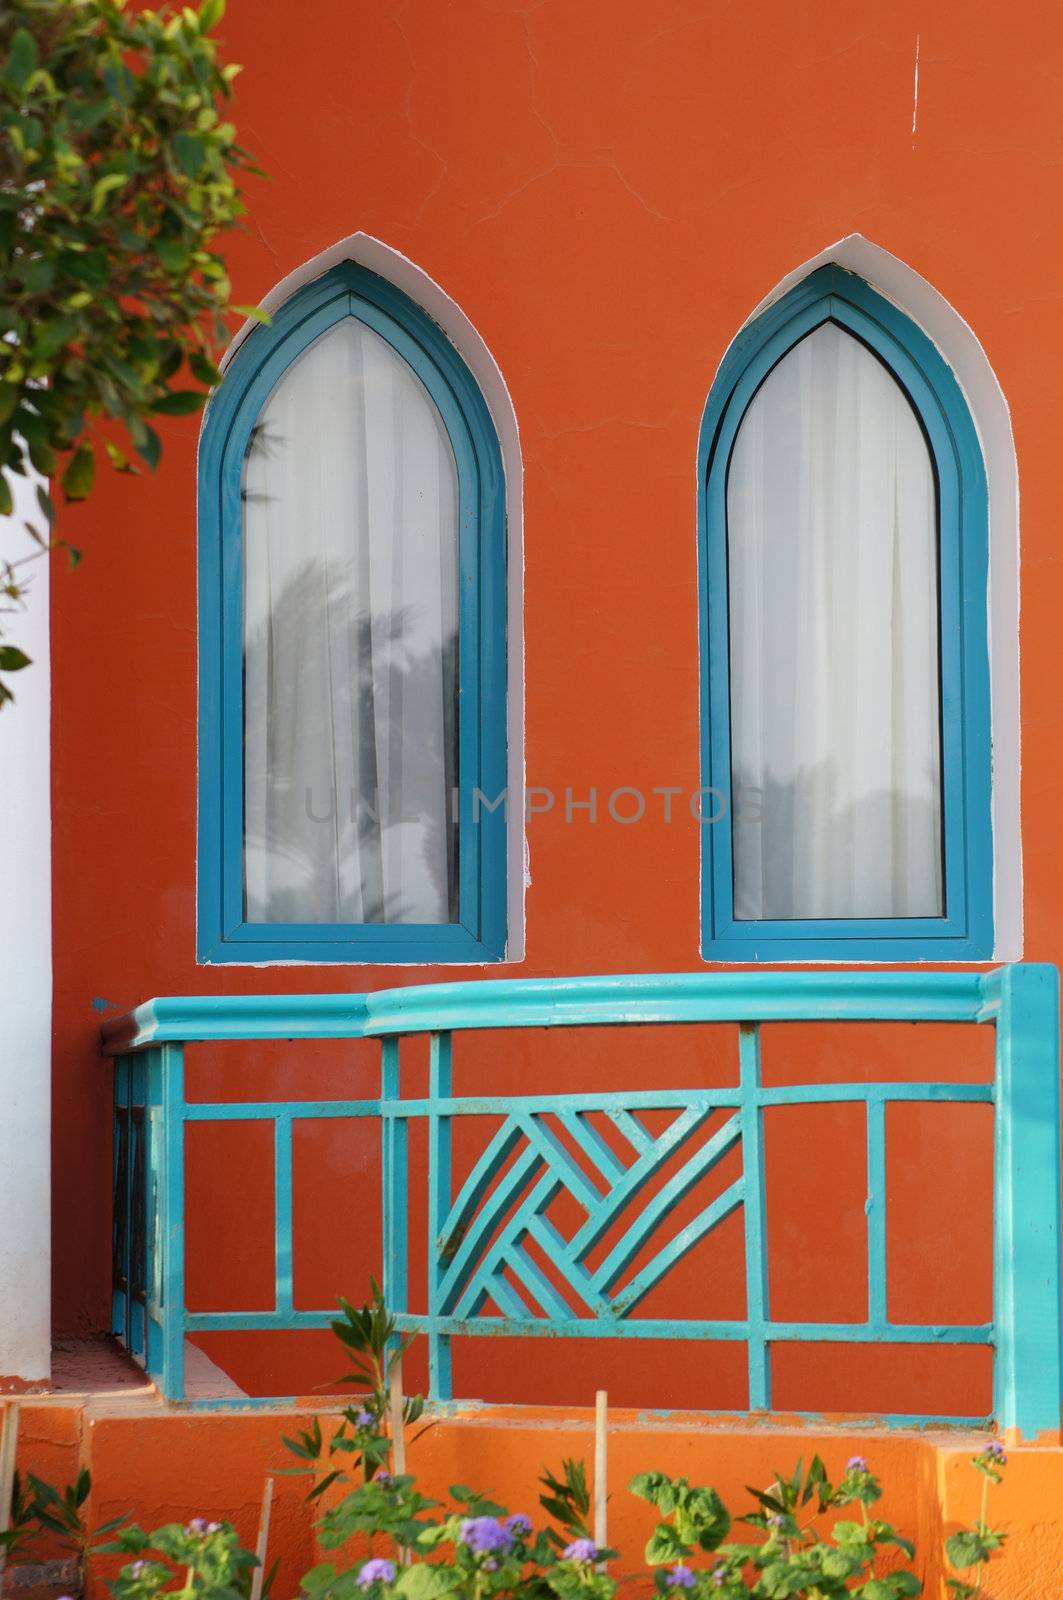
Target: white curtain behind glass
[(833, 599), (350, 643)]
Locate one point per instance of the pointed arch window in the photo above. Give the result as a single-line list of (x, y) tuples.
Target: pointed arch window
[(352, 660), (844, 549)]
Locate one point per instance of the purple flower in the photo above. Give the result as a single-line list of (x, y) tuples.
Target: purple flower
[(484, 1534), (376, 1571), (719, 1575), (580, 1550), (776, 1521), (681, 1576), (137, 1568), (383, 1476), (996, 1452), (856, 1464), (518, 1524), (365, 1419), (213, 1527), (197, 1526)]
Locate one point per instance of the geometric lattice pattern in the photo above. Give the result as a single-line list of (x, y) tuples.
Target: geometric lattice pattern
[(506, 1200)]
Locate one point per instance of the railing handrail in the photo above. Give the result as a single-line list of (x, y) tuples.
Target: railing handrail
[(673, 997)]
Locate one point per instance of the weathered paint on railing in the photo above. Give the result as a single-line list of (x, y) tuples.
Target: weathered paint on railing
[(474, 1264)]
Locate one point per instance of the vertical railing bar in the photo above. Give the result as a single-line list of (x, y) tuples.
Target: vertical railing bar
[(1027, 1226), (759, 1350), (875, 1208), (172, 1232), (439, 1202), (394, 1179), (283, 1267), (145, 1071), (127, 1255)]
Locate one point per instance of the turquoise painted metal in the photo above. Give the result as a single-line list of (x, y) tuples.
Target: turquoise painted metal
[(965, 931), (497, 1262)]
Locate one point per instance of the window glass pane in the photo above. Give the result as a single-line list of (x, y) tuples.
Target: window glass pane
[(833, 604), (350, 643)]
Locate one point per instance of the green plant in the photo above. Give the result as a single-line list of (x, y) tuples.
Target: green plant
[(117, 170), (971, 1549), (361, 1442), (22, 1527), (794, 1555), (400, 1545), (198, 1559)]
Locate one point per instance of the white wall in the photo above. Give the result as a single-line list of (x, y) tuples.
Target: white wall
[(25, 978)]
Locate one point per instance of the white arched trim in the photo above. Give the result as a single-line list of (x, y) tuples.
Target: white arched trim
[(414, 282), (960, 347)]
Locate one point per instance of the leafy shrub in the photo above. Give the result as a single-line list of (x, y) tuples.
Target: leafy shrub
[(117, 170)]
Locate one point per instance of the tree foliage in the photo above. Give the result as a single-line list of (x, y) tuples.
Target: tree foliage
[(117, 171)]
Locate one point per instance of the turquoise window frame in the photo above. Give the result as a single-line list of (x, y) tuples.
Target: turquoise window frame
[(965, 932), (222, 933)]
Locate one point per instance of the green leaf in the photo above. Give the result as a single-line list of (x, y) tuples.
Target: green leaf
[(203, 369), (664, 1544), (12, 659), (105, 186), (966, 1549), (80, 473), (179, 402), (840, 1563), (256, 313), (783, 1578), (173, 255), (47, 504), (850, 1532), (146, 442), (318, 1579), (189, 150), (22, 59), (210, 14), (118, 458), (7, 499), (424, 1582)]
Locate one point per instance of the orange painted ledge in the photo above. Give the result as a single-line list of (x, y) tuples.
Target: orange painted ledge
[(166, 1463)]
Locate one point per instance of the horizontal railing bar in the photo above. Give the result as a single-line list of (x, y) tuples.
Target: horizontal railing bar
[(632, 1328), (269, 1110), (639, 1099), (646, 1328), (672, 1099), (563, 1002), (825, 1093)]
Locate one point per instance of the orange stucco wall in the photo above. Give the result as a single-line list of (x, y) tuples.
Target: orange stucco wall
[(162, 1465), (607, 189)]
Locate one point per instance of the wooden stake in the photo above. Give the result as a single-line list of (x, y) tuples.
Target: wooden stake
[(601, 1489), (258, 1576), (398, 1438), (8, 1445)]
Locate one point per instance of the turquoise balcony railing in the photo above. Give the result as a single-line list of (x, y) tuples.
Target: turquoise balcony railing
[(483, 1278)]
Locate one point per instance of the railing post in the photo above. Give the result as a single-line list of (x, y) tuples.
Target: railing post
[(122, 1209), (1027, 1231), (165, 1233), (756, 1239), (394, 1178), (439, 1202)]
